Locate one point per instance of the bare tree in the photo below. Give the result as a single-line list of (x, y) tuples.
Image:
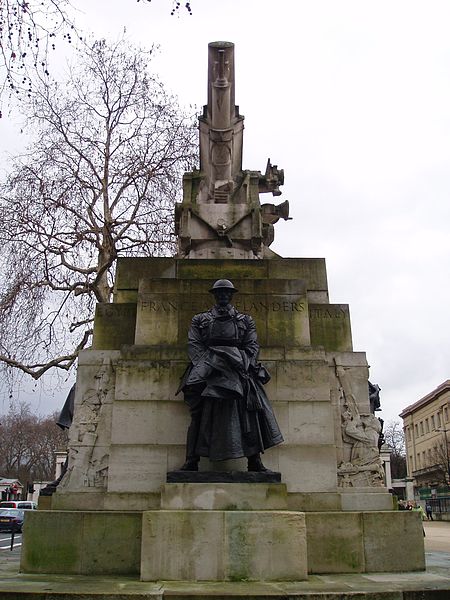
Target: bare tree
[(28, 444), (394, 438), (100, 181), (30, 29), (176, 6), (440, 459)]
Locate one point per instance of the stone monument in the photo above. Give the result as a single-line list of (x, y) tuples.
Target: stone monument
[(331, 512)]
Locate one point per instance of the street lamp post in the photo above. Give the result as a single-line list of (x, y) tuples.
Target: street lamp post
[(444, 431)]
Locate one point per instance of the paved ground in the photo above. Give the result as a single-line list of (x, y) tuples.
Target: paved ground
[(432, 584), (437, 536), (437, 546)]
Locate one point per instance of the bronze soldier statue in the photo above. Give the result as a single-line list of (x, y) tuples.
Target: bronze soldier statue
[(231, 416)]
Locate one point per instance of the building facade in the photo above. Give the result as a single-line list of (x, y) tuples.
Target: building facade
[(11, 489), (426, 425)]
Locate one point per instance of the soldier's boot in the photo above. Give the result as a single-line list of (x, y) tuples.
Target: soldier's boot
[(254, 463), (192, 459), (191, 464)]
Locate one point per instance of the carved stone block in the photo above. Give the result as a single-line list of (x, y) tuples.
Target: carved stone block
[(256, 545)]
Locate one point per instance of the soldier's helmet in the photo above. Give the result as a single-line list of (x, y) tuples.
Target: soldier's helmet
[(223, 283)]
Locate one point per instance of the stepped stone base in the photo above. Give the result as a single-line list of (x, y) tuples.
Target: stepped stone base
[(221, 532)]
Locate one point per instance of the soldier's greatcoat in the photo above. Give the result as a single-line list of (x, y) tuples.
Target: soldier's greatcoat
[(231, 415)]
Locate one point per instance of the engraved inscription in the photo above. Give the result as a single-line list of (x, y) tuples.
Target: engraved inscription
[(163, 305), (258, 306), (149, 303), (113, 310), (327, 313)]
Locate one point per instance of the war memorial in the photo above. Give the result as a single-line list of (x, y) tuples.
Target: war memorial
[(203, 467)]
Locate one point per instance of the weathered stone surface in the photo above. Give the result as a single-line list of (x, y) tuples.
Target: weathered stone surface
[(314, 501), (213, 269), (305, 468), (368, 498), (300, 380), (357, 372), (291, 385), (305, 423), (131, 270), (223, 545), (393, 541), (155, 423), (265, 546), (182, 545), (386, 541), (114, 325), (90, 431), (335, 542), (138, 468), (148, 380), (166, 307), (122, 501), (330, 326), (91, 357), (227, 496), (69, 542)]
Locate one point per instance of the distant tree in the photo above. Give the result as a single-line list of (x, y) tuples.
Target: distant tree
[(100, 181), (394, 438), (28, 444), (440, 459)]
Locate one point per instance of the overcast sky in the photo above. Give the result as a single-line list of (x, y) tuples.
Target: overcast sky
[(352, 100)]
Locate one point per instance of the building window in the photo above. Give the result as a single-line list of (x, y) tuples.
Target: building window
[(433, 426), (427, 426), (421, 427), (446, 414), (418, 460), (409, 433), (438, 419), (416, 430), (423, 460)]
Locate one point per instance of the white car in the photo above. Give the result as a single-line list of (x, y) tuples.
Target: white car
[(22, 504)]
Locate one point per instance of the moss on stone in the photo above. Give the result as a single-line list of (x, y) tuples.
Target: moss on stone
[(114, 325), (330, 327), (83, 543)]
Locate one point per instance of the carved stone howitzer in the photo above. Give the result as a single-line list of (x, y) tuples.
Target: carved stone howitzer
[(221, 215)]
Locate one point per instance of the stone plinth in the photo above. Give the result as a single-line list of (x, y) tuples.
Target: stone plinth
[(229, 496), (223, 546)]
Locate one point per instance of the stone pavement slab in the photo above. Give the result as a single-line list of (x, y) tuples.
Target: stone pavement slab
[(378, 586)]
